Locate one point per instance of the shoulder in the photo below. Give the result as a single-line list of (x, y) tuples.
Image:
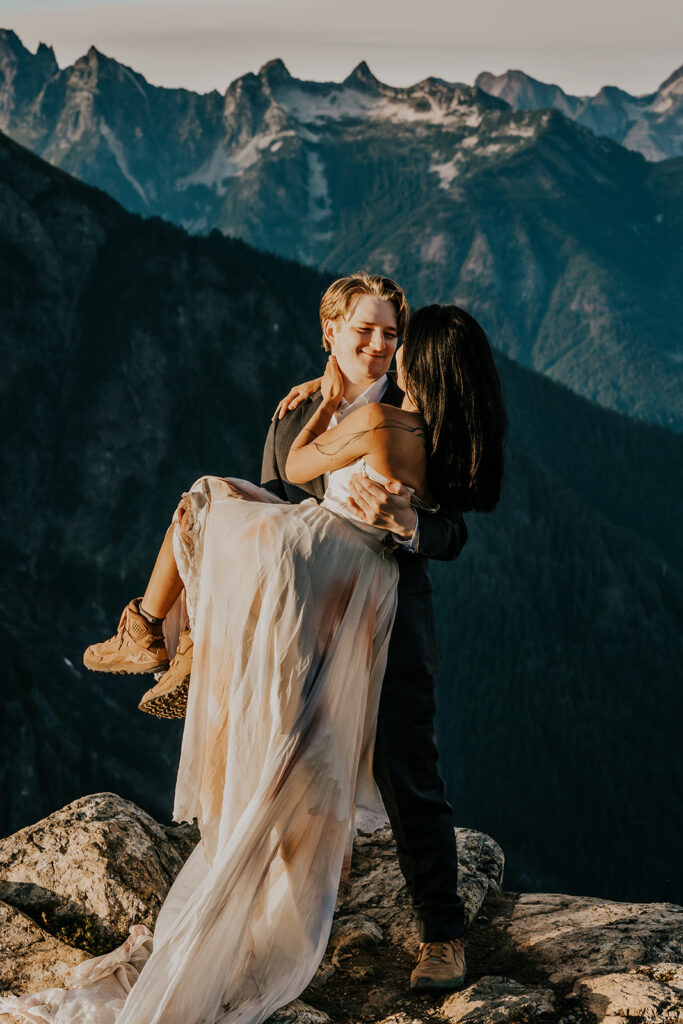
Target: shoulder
[(293, 420), (367, 417)]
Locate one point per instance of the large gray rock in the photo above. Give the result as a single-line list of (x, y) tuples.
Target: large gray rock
[(602, 960), (101, 864), (651, 993), (92, 869), (567, 937), (30, 958), (377, 889), (493, 1000)]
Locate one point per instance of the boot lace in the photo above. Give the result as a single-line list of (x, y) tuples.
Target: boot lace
[(438, 951)]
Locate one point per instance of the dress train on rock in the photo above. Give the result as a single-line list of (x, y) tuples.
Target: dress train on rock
[(291, 608)]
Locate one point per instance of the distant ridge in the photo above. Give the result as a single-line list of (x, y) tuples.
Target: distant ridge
[(565, 244), (651, 124)]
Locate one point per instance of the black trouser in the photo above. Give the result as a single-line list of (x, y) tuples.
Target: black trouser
[(407, 774)]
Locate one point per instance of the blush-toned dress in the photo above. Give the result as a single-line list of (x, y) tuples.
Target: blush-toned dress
[(291, 609)]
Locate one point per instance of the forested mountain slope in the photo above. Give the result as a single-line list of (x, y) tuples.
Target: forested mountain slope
[(136, 358)]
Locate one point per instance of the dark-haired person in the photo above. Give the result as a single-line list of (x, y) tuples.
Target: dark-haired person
[(362, 317), (291, 607)]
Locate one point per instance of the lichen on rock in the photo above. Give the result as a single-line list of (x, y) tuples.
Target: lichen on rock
[(101, 864)]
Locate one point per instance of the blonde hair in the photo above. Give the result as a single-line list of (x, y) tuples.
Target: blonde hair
[(341, 296)]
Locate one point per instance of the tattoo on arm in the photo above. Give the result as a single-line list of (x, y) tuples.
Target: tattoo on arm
[(335, 448)]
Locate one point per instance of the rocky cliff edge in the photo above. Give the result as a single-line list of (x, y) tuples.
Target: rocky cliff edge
[(72, 884)]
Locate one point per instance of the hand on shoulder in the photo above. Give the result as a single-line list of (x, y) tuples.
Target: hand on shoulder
[(298, 394)]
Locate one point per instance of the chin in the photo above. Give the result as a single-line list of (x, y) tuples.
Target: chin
[(375, 366)]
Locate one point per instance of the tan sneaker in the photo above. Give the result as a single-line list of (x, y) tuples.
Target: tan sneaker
[(168, 697), (138, 646), (439, 965)]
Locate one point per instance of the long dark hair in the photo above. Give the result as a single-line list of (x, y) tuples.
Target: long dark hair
[(452, 378)]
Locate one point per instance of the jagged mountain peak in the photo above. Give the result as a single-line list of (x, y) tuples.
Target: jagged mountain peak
[(432, 82), (613, 92), (510, 73), (674, 83), (524, 91), (91, 59), (97, 66), (275, 70), (10, 39), (22, 75), (362, 76), (11, 45), (46, 55), (441, 90), (94, 54), (488, 80)]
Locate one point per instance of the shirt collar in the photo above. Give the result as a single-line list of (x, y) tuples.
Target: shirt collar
[(373, 393)]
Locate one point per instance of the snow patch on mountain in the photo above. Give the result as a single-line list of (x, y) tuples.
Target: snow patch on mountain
[(522, 131), (434, 249), (667, 96), (649, 124), (491, 148), (448, 171), (338, 103), (222, 164), (134, 78), (212, 172), (314, 107), (251, 153), (118, 151)]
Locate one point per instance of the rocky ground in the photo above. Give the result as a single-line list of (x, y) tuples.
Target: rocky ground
[(71, 885)]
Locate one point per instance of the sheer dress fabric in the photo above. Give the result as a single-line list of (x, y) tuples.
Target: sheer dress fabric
[(291, 608)]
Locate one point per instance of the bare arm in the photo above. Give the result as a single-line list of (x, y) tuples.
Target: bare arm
[(361, 433), (311, 454)]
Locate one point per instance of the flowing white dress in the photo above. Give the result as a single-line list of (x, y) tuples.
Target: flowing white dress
[(291, 609)]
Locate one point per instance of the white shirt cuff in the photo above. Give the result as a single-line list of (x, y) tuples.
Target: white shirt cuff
[(410, 545)]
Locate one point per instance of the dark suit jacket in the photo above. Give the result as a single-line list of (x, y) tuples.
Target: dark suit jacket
[(442, 534)]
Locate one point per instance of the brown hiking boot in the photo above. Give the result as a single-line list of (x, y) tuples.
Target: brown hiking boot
[(137, 647), (440, 965), (168, 697)]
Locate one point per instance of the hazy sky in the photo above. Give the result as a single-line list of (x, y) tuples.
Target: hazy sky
[(205, 44)]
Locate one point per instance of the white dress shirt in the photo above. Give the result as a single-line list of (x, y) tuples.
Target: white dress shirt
[(373, 393)]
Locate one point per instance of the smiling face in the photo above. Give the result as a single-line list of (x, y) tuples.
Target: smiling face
[(363, 342)]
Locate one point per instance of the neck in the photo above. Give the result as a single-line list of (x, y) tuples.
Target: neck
[(353, 389), (408, 404)]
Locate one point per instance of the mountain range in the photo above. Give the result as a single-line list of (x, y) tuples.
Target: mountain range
[(650, 124), (137, 357), (565, 244)]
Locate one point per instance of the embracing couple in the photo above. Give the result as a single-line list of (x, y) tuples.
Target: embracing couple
[(299, 616)]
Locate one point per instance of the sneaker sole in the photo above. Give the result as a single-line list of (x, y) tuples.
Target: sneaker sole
[(137, 670), (426, 984), (168, 705)]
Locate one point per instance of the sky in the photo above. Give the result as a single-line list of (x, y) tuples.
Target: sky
[(205, 44)]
